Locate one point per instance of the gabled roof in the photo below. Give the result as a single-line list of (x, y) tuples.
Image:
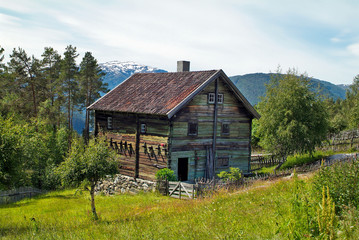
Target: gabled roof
[(162, 93)]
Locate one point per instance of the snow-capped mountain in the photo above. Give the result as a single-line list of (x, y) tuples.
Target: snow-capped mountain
[(117, 71)]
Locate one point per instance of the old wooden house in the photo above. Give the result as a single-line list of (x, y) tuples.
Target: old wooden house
[(196, 123)]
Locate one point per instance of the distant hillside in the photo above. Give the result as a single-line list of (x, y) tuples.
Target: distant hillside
[(253, 86)]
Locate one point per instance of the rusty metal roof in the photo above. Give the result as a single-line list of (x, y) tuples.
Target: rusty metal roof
[(153, 93)]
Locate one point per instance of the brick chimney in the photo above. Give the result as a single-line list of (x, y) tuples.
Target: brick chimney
[(183, 66)]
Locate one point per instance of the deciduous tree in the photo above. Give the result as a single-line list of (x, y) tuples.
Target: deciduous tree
[(293, 118), (87, 164)]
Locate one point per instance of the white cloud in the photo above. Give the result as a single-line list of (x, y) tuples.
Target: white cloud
[(239, 36), (354, 49)]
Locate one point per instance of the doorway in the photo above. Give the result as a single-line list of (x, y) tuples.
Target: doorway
[(182, 169)]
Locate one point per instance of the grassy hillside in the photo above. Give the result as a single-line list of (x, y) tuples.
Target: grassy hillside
[(253, 86), (250, 214)]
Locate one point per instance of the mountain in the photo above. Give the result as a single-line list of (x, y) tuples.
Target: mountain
[(253, 87), (117, 72)]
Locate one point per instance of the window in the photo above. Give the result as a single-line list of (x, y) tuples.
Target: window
[(223, 161), (143, 128), (109, 122), (211, 98), (192, 129), (220, 98), (225, 128)]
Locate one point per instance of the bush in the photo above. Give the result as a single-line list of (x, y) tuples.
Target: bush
[(165, 173), (234, 174), (343, 182)]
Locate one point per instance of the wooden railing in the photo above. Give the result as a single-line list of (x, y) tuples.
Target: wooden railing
[(264, 160)]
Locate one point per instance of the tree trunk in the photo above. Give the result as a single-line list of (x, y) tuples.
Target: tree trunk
[(93, 208)]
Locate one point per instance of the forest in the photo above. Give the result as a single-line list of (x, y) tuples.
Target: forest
[(38, 100)]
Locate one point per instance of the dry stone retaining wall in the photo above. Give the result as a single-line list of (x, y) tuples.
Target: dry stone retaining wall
[(123, 184)]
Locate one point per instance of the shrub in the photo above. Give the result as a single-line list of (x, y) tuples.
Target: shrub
[(343, 182), (165, 173), (234, 174)]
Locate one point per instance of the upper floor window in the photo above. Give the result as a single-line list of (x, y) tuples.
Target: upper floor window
[(220, 98), (143, 128), (192, 129), (109, 122), (212, 99)]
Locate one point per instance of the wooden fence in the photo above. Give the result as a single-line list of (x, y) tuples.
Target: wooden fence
[(342, 141), (15, 195), (264, 160)]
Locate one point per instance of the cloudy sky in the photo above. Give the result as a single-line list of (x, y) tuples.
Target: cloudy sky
[(318, 37)]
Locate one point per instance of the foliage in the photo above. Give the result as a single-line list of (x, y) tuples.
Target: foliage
[(10, 154), (326, 216), (234, 174), (293, 119), (87, 164), (302, 159), (343, 182), (165, 173), (352, 95)]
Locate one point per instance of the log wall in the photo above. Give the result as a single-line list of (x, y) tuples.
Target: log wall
[(122, 137), (234, 146)]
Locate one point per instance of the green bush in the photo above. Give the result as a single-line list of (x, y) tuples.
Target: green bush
[(234, 174), (343, 182), (165, 173)]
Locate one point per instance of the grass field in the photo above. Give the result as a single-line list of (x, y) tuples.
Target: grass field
[(258, 213)]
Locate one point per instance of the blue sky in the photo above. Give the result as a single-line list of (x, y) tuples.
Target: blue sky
[(318, 37)]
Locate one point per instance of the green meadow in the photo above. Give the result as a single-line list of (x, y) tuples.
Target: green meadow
[(247, 214)]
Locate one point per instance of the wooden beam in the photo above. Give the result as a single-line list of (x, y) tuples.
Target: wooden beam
[(214, 128), (137, 148)]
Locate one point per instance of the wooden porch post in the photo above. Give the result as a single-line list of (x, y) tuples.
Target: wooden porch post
[(137, 148)]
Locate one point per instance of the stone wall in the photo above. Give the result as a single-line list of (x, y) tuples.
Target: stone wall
[(123, 184)]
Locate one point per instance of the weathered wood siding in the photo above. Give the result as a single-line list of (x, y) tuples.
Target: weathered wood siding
[(235, 146), (153, 157)]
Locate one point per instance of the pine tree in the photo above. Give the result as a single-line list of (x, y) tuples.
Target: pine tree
[(51, 66), (68, 77), (91, 85), (28, 77)]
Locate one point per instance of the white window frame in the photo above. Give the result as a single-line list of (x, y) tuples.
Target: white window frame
[(109, 123), (220, 98), (211, 98), (143, 128)]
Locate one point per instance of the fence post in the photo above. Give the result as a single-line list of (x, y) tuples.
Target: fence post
[(180, 190)]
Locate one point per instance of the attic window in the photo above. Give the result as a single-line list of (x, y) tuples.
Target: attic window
[(192, 129), (211, 98), (143, 128), (220, 98), (109, 122)]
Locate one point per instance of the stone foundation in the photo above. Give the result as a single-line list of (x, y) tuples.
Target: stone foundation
[(123, 184)]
